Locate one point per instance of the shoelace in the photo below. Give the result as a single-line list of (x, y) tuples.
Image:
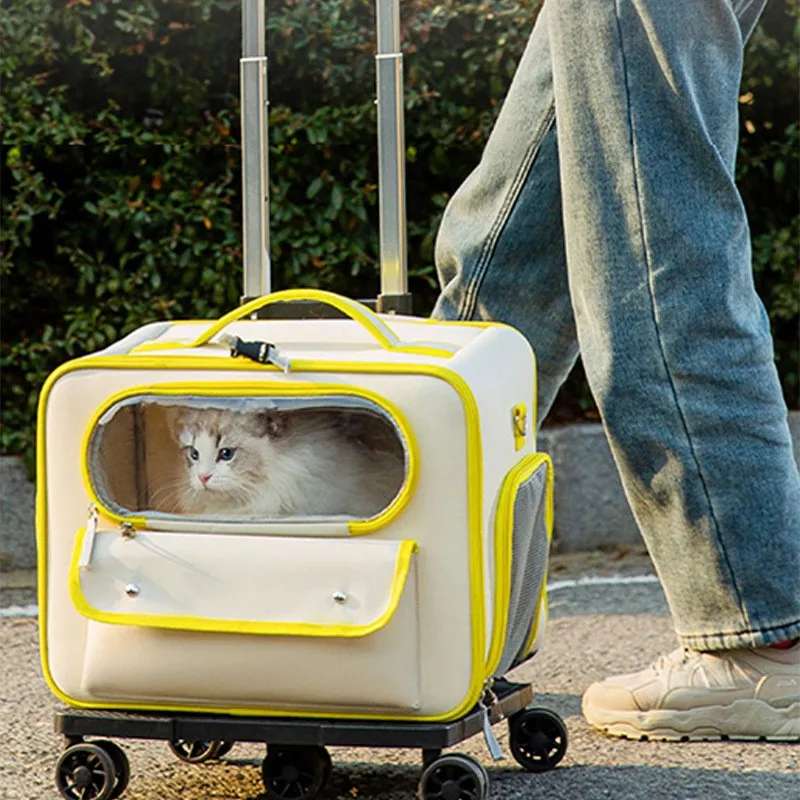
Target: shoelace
[(670, 660)]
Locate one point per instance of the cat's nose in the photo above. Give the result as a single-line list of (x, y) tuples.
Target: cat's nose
[(204, 478)]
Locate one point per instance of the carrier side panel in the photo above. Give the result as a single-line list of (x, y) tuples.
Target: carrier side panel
[(500, 369)]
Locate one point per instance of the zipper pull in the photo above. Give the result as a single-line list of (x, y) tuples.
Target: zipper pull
[(262, 352), (488, 700), (85, 558), (280, 361), (127, 530)]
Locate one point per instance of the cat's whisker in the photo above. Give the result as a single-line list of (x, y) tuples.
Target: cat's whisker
[(173, 482), (166, 490)]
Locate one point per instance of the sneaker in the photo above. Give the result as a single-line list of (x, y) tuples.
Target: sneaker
[(689, 695)]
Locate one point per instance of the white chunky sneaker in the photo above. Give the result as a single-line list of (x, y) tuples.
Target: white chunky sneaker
[(690, 696)]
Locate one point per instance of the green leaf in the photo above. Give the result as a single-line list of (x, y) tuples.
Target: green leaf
[(337, 198), (13, 157), (314, 187)]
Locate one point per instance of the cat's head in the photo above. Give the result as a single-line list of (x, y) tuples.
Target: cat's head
[(226, 454)]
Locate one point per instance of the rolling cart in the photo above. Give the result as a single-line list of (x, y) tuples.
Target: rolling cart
[(297, 765)]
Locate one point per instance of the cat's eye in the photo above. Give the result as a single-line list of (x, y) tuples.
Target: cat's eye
[(193, 453), (226, 453)]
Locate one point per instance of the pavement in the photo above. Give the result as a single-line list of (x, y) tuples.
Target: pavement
[(608, 615)]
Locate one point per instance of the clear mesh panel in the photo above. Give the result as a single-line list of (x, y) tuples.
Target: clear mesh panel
[(528, 566)]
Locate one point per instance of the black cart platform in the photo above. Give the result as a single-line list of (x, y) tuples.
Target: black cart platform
[(297, 764)]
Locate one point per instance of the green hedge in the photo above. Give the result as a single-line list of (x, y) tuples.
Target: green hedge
[(120, 163)]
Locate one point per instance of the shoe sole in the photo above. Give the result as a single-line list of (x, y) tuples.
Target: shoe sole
[(742, 721)]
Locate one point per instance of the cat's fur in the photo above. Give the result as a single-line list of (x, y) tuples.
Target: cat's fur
[(302, 462)]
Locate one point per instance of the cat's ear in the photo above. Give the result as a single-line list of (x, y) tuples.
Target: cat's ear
[(272, 423)]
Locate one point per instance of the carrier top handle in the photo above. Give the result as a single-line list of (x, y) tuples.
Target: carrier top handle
[(394, 296), (255, 171)]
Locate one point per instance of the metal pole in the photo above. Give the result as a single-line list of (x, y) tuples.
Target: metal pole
[(391, 160), (255, 168)]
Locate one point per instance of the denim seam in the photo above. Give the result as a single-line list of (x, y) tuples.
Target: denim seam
[(733, 641), (769, 628), (654, 309), (467, 306)]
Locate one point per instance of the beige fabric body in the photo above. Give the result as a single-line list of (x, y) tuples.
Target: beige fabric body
[(421, 663)]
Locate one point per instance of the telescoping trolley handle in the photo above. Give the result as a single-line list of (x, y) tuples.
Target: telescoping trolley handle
[(255, 167), (394, 294)]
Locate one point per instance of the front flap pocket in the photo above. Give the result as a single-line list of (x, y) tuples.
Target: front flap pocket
[(240, 583)]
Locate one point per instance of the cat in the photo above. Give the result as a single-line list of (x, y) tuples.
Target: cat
[(270, 463)]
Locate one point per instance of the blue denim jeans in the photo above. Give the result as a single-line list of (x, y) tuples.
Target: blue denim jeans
[(603, 219)]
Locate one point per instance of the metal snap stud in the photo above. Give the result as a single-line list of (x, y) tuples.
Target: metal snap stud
[(132, 590), (340, 598)]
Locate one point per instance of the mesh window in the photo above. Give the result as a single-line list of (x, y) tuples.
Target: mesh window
[(528, 566), (251, 458)]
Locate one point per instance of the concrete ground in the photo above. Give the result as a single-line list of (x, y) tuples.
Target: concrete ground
[(607, 615)]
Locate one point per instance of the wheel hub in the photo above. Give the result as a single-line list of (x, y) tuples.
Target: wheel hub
[(290, 773), (541, 742), (451, 790), (82, 776)]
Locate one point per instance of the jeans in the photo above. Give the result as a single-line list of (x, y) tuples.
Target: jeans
[(603, 219)]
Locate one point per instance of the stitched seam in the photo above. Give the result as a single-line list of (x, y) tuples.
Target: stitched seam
[(467, 307), (654, 309), (778, 627)]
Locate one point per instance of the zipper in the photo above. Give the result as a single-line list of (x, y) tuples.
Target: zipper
[(126, 529), (260, 352)]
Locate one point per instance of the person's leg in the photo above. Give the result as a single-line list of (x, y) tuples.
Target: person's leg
[(675, 342), (677, 349), (500, 248)]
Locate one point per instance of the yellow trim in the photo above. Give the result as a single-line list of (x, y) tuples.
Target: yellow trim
[(358, 527), (358, 312), (149, 347), (503, 532), (543, 601), (217, 625), (475, 491), (519, 423), (469, 323)]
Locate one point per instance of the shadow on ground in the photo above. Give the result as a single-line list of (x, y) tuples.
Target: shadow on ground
[(645, 783), (362, 780)]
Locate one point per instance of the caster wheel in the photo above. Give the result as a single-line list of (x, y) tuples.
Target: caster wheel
[(454, 777), (224, 748), (194, 752), (538, 739), (86, 772), (121, 766), (295, 772)]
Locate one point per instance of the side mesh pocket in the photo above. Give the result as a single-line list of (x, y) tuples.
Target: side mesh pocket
[(527, 497)]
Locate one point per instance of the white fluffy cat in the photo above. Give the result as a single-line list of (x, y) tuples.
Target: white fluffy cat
[(269, 463)]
